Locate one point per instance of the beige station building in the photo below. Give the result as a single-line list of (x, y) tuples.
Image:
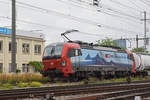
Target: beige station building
[(29, 48)]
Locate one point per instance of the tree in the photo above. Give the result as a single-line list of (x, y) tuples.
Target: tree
[(141, 49), (107, 42), (37, 65)]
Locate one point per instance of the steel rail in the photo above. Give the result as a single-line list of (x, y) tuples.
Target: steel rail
[(119, 95), (69, 90)]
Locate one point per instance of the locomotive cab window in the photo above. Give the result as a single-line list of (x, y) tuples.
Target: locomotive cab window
[(72, 52), (53, 52)]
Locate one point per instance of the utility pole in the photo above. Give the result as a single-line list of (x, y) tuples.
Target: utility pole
[(145, 29), (137, 44), (13, 43), (137, 40)]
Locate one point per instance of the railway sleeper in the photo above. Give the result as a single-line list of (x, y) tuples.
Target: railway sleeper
[(131, 96)]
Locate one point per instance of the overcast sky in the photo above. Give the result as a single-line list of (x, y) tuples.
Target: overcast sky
[(117, 18)]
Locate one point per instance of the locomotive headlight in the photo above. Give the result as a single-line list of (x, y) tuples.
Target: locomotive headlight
[(63, 63)]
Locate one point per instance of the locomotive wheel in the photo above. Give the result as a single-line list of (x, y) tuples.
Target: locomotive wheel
[(128, 77), (65, 80), (73, 78), (86, 81), (52, 79)]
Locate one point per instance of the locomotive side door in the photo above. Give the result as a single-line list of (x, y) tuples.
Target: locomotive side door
[(75, 54)]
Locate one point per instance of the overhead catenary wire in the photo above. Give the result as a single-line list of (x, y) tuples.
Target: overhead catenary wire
[(129, 7), (138, 7), (33, 23), (7, 2), (111, 9), (100, 11), (119, 12), (114, 15), (59, 12), (112, 27), (82, 20), (58, 28), (37, 23), (61, 28), (49, 26), (145, 3)]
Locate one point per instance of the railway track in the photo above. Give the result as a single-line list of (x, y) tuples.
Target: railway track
[(119, 95), (73, 90)]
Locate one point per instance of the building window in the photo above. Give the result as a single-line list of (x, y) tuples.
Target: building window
[(25, 48), (9, 48), (1, 46), (9, 68), (1, 67), (37, 49), (25, 68)]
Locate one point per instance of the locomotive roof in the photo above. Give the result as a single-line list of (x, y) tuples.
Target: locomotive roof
[(86, 45)]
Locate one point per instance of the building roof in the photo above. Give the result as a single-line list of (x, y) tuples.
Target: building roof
[(23, 36), (8, 31), (29, 34)]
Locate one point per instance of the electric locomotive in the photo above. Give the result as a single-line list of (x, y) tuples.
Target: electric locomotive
[(81, 60)]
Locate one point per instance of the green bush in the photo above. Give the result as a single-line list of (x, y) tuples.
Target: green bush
[(18, 70), (35, 84), (141, 49), (1, 71), (37, 65)]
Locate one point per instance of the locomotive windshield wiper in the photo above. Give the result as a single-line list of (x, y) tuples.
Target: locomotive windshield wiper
[(47, 57), (52, 57), (52, 51), (56, 56)]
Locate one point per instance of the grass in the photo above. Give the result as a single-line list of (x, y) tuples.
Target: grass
[(16, 78), (9, 81), (96, 80)]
